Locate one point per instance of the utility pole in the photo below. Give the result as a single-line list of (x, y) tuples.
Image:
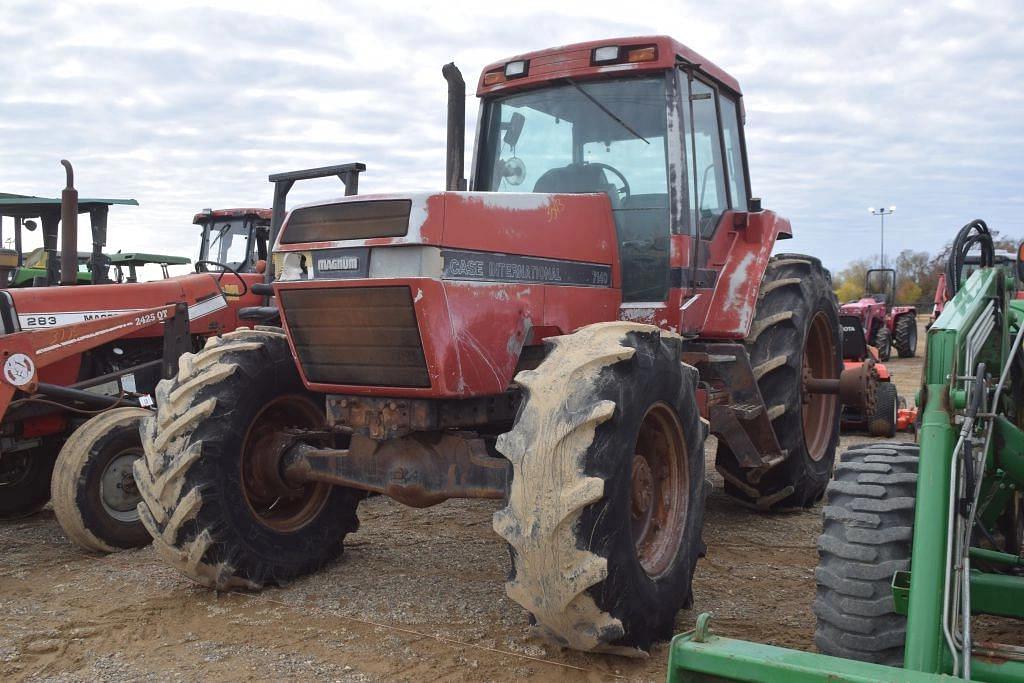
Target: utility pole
[(882, 213)]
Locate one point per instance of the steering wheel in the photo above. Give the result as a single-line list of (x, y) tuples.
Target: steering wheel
[(624, 190), (224, 269)]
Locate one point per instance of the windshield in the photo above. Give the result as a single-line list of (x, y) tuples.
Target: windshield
[(227, 242), (606, 136)]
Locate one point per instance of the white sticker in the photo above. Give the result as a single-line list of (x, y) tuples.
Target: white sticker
[(19, 369), (128, 383), (146, 401)]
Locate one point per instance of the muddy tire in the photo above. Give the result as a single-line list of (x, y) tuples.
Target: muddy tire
[(208, 514), (867, 536), (25, 479), (883, 421), (795, 326), (883, 342), (606, 505), (905, 337), (93, 491)]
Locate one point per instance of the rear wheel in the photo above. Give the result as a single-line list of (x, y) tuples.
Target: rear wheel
[(883, 421), (883, 342), (867, 536), (217, 510), (606, 506), (905, 339), (794, 336), (25, 479), (93, 491)]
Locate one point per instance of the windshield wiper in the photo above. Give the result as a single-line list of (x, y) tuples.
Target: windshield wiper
[(607, 111)]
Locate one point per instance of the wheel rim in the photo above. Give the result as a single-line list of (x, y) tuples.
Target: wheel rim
[(119, 495), (819, 410), (659, 490), (15, 469), (282, 508)]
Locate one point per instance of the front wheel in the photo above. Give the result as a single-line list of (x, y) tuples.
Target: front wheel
[(605, 511), (883, 342), (25, 479), (883, 421), (218, 511), (93, 490)]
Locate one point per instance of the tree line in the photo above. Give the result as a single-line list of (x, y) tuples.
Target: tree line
[(917, 274)]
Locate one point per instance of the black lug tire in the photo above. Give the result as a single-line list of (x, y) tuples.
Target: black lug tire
[(567, 522), (883, 342), (867, 536), (76, 483), (883, 422), (26, 491), (795, 288), (190, 478), (905, 338)]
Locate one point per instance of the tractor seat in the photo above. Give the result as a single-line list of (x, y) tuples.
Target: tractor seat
[(879, 298), (577, 179)]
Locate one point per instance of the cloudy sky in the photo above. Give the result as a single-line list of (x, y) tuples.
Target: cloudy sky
[(184, 104)]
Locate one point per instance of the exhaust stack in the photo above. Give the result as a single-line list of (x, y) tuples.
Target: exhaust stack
[(69, 228), (456, 154)]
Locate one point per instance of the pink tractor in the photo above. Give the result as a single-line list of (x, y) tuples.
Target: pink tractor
[(885, 324)]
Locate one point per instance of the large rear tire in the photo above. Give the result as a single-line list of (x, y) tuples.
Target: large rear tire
[(209, 512), (25, 479), (94, 494), (606, 506), (905, 338), (795, 331), (867, 536)]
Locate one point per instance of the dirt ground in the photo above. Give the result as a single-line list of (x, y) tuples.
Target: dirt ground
[(418, 594)]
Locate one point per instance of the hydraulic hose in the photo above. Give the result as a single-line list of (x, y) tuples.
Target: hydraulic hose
[(974, 233)]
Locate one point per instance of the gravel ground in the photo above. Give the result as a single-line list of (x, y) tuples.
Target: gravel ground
[(417, 595)]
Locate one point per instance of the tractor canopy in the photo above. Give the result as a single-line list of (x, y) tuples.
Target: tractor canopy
[(233, 237)]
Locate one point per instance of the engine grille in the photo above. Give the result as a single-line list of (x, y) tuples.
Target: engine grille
[(348, 221), (356, 335)]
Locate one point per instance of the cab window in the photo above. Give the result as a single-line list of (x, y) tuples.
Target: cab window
[(733, 153), (706, 175)]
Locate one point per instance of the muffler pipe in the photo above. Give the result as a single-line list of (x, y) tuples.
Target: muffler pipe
[(456, 154), (68, 228)]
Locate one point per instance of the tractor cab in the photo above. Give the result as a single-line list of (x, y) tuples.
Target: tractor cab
[(236, 238), (648, 123)]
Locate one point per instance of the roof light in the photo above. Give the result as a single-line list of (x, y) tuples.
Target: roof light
[(642, 54), (606, 54), (493, 78), (515, 69)]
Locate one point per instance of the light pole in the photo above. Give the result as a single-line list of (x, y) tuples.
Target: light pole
[(882, 213)]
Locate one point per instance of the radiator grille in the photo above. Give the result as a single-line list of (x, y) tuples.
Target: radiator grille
[(356, 335)]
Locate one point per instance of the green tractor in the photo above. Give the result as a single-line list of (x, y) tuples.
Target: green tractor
[(919, 540)]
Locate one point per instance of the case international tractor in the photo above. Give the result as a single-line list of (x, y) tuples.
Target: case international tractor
[(919, 541), (560, 337), (80, 363)]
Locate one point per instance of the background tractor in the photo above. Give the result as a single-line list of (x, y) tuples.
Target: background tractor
[(880, 416), (561, 338), (886, 325), (919, 540), (87, 360)]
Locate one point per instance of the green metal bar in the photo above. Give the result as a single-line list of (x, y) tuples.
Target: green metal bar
[(719, 658), (996, 557), (998, 594), (924, 612)]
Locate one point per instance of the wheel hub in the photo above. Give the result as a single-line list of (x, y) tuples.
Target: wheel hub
[(659, 490), (118, 493), (642, 487)]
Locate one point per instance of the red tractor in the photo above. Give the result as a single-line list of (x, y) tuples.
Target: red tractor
[(885, 324), (81, 363), (562, 337)]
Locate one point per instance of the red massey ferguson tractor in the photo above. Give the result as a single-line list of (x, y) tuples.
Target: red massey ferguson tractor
[(80, 363), (885, 324), (560, 337)]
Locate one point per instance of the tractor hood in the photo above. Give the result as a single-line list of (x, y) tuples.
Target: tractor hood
[(522, 237)]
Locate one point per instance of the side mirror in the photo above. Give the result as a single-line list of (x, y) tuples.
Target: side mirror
[(30, 225), (513, 129)]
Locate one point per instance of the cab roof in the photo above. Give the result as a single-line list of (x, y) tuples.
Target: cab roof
[(574, 61), (203, 216), (28, 206)]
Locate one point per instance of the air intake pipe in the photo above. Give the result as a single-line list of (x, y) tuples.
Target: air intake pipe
[(456, 154), (69, 228)]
